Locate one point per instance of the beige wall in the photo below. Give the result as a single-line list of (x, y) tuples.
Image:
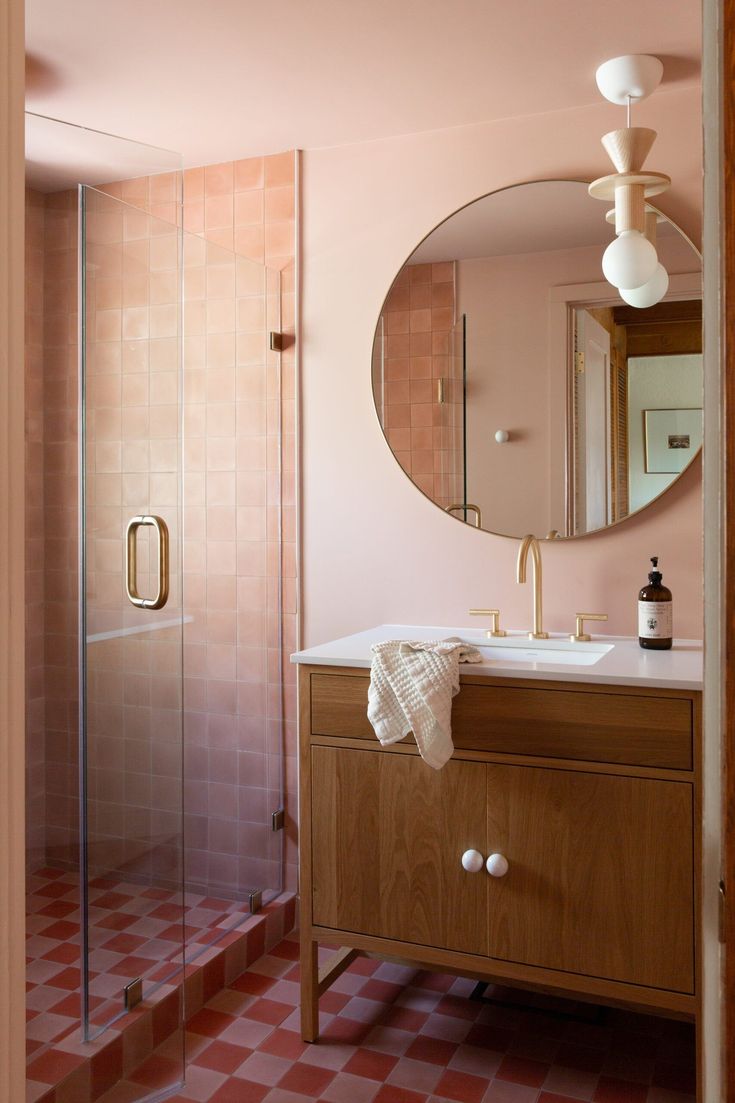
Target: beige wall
[(374, 548)]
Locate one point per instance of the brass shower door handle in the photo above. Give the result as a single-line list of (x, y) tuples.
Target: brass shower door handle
[(131, 561)]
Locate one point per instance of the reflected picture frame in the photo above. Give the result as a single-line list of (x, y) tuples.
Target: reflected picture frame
[(671, 437)]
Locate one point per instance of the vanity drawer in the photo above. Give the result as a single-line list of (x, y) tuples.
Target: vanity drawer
[(625, 728)]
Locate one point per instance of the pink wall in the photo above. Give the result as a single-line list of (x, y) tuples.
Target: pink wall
[(374, 548)]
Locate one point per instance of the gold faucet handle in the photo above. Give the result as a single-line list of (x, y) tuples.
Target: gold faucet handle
[(495, 629), (582, 636)]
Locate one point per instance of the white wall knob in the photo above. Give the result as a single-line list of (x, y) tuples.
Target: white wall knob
[(497, 865), (502, 436), (472, 861)]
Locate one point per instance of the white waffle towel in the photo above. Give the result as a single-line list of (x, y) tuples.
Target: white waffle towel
[(412, 684)]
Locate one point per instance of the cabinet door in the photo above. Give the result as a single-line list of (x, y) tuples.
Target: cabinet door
[(388, 834), (600, 877)]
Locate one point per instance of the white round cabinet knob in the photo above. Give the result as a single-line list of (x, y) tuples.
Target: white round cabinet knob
[(472, 861), (497, 865)]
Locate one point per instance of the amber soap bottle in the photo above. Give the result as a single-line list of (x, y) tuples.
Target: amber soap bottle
[(655, 613)]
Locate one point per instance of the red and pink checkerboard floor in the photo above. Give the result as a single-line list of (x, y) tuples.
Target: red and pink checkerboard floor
[(392, 1034), (135, 931)]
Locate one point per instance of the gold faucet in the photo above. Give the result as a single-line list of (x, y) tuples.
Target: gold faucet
[(531, 543)]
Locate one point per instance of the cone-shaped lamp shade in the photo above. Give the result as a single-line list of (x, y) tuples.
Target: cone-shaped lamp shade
[(629, 261), (628, 148), (650, 293)]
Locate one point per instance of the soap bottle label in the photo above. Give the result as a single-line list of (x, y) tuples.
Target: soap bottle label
[(655, 620)]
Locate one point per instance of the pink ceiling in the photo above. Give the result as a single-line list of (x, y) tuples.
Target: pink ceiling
[(234, 78)]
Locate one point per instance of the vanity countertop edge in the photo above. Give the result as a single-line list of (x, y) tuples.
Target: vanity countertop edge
[(627, 664)]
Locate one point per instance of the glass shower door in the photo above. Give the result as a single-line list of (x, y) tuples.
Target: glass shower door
[(131, 689)]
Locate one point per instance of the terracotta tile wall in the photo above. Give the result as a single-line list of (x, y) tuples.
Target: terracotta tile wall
[(35, 680), (418, 350), (234, 717), (60, 479), (247, 206), (132, 428)]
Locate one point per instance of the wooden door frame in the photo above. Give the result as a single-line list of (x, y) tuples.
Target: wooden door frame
[(722, 556), (12, 554), (719, 41)]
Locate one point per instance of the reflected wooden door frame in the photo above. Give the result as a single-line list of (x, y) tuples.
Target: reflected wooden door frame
[(562, 303)]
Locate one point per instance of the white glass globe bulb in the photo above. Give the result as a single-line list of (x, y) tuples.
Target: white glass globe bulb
[(650, 293), (630, 260)]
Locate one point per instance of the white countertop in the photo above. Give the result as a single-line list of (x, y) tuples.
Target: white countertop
[(626, 664)]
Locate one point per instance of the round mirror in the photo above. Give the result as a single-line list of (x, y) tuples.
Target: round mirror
[(514, 385)]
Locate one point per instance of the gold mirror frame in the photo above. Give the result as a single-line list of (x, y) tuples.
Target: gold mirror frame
[(448, 513)]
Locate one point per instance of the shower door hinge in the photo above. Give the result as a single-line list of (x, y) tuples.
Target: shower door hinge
[(278, 819), (133, 993), (255, 900), (276, 341)]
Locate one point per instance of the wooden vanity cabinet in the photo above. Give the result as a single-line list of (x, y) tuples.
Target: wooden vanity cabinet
[(590, 792)]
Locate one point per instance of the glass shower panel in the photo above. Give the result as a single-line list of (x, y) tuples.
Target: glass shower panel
[(132, 613), (281, 536), (232, 588)]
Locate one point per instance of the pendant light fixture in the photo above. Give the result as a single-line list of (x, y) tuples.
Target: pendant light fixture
[(630, 263)]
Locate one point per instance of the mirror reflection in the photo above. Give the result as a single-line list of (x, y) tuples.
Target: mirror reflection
[(514, 386)]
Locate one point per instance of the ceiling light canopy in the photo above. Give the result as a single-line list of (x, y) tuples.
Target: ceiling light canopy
[(630, 263)]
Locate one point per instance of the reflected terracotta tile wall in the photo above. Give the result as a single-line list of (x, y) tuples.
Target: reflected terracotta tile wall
[(34, 536), (418, 318)]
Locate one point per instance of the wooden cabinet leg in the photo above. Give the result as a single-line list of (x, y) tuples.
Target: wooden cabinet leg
[(309, 989)]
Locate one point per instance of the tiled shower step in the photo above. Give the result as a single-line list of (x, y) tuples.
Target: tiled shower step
[(78, 1072)]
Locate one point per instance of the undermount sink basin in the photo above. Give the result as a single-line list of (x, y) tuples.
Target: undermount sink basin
[(551, 652)]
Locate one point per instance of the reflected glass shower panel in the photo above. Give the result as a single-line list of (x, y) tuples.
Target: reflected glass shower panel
[(452, 421)]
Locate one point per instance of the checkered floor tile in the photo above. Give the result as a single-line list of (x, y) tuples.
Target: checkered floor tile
[(392, 1034), (135, 931)]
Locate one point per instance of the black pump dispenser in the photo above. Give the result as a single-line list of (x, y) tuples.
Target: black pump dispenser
[(655, 612), (655, 575)]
